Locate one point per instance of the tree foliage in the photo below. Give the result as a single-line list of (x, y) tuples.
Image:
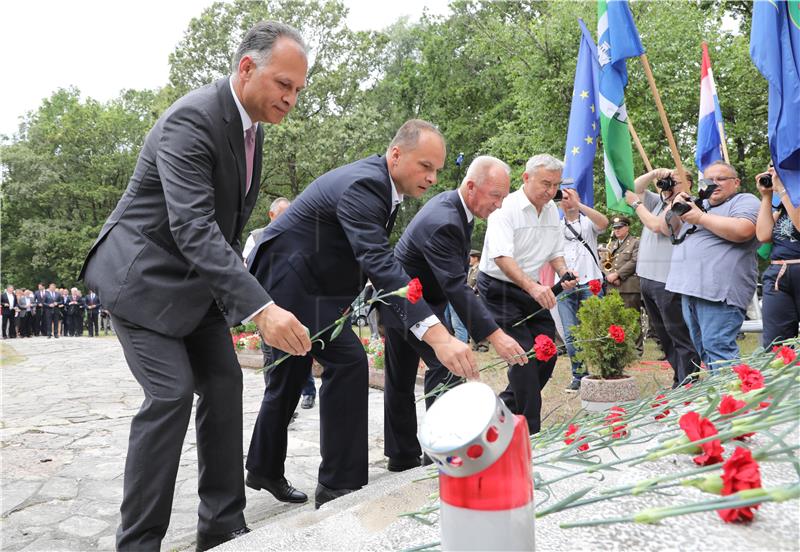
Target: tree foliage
[(496, 76)]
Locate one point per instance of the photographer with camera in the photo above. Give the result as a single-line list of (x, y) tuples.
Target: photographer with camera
[(781, 280), (714, 256), (653, 266), (581, 225)]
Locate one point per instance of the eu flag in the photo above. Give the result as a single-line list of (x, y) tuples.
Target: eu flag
[(584, 121), (775, 51)]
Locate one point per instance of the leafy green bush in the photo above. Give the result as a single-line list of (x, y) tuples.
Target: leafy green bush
[(604, 356), (250, 327)]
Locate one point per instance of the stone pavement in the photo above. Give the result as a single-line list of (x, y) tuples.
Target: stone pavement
[(66, 411)]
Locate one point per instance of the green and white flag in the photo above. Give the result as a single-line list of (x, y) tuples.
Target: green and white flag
[(618, 40)]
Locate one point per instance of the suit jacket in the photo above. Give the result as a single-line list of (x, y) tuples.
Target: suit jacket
[(435, 248), (334, 236), (49, 297), (624, 264), (39, 298), (8, 305), (90, 301), (171, 246)]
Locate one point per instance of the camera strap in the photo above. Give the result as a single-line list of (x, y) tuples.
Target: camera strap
[(586, 245)]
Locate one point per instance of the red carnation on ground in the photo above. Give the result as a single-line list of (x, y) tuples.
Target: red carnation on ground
[(414, 290), (787, 354), (729, 405), (750, 377), (544, 348), (595, 286), (571, 430), (740, 472), (663, 414), (617, 333), (614, 419), (696, 427)]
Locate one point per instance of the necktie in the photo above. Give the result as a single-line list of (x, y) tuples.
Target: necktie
[(392, 218), (249, 152)]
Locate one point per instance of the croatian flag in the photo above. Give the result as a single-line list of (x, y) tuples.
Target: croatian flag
[(709, 126)]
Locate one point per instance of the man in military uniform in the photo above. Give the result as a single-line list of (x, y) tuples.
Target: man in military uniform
[(472, 281), (623, 253)]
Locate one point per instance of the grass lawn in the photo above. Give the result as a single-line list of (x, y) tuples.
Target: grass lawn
[(559, 406), (9, 355)]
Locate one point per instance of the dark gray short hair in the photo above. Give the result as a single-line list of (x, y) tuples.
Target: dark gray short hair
[(408, 135), (260, 39)]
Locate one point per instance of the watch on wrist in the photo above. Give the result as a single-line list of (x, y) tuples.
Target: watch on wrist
[(636, 203)]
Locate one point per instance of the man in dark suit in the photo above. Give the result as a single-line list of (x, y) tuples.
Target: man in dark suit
[(314, 260), (38, 317), (168, 267), (93, 306), (74, 313), (434, 248), (51, 315), (8, 300)]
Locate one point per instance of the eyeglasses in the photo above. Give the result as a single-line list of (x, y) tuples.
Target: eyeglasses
[(721, 178)]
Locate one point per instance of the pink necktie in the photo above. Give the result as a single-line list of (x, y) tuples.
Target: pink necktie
[(249, 152)]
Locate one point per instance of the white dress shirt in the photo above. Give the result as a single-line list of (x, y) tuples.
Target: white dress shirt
[(517, 230)]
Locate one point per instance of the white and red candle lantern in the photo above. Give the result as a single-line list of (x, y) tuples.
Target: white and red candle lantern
[(483, 453)]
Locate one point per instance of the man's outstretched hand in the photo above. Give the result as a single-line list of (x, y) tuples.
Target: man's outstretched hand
[(280, 329)]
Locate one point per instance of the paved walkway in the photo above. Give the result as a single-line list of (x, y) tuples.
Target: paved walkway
[(66, 411)]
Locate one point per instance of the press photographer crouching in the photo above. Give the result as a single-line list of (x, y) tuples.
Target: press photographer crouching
[(713, 260), (653, 266), (781, 280)]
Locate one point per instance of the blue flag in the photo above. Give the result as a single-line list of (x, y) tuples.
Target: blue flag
[(775, 51), (584, 121)]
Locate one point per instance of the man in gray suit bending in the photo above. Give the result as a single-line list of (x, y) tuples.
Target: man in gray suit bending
[(168, 267)]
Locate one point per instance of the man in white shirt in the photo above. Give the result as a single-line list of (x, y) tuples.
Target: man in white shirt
[(521, 236), (581, 225)]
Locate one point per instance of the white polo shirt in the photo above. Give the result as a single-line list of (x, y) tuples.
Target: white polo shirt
[(519, 231)]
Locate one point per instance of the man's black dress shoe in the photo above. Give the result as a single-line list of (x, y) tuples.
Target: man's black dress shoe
[(207, 541), (325, 494), (280, 488), (403, 464)]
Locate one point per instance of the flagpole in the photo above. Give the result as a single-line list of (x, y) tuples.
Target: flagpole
[(639, 147), (723, 142), (676, 157)]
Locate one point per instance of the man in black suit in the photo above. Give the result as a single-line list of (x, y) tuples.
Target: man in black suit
[(8, 300), (51, 315), (434, 248), (314, 260), (168, 267), (74, 313), (93, 306), (38, 317)]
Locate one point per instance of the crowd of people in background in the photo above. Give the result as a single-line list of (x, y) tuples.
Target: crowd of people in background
[(52, 312)]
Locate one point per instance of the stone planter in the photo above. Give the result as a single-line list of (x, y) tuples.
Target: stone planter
[(599, 394)]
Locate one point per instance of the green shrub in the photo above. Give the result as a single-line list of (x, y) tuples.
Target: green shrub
[(602, 355)]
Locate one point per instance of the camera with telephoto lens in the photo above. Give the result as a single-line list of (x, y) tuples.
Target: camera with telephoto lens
[(765, 181), (666, 184), (704, 190)]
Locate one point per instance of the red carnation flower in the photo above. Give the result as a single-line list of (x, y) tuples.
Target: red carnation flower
[(544, 348), (614, 419), (414, 291), (595, 286), (696, 427), (763, 404), (750, 377), (787, 354), (617, 333), (664, 413), (571, 430), (740, 472), (729, 405)]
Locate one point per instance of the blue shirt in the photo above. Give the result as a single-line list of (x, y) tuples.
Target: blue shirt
[(713, 268)]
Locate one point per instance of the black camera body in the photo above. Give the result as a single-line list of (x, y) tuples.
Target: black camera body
[(765, 181), (705, 189), (666, 184)]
